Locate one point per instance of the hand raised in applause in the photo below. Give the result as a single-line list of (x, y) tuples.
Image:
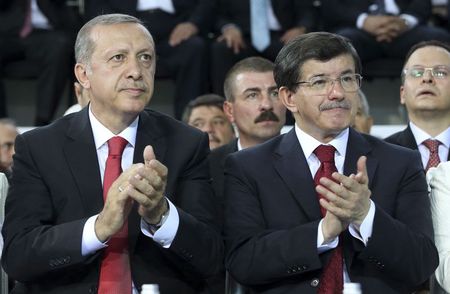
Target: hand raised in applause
[(349, 197)]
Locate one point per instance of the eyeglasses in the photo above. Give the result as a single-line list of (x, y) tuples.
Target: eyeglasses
[(323, 85), (438, 71)]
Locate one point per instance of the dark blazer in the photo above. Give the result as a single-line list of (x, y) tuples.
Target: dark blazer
[(217, 166), (56, 186), (199, 12), (344, 13), (60, 16), (272, 215), (290, 14), (405, 138)]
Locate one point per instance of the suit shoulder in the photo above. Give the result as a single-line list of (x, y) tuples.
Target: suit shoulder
[(260, 151), (387, 149), (394, 138)]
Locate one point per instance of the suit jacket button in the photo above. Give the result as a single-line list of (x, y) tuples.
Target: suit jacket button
[(315, 282), (289, 271)]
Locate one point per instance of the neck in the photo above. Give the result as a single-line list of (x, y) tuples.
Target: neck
[(432, 123), (117, 122), (247, 141)]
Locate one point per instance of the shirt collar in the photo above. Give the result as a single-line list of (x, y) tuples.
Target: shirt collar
[(420, 135), (102, 134), (309, 143)]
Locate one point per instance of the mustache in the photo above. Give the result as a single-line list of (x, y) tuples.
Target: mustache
[(136, 85), (267, 115), (345, 104)]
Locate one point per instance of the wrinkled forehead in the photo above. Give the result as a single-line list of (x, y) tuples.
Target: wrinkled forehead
[(429, 56)]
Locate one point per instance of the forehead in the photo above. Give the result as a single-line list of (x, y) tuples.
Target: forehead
[(250, 79), (205, 111), (429, 56), (121, 36), (333, 67)]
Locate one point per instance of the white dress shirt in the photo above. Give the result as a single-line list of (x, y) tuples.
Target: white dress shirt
[(420, 136), (439, 182), (391, 8), (38, 19), (309, 144), (164, 5)]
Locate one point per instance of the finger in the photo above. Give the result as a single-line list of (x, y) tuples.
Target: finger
[(149, 155), (330, 196), (361, 166), (340, 213)]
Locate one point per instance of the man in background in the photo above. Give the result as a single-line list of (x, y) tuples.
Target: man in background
[(425, 92), (206, 114), (8, 134), (363, 120)]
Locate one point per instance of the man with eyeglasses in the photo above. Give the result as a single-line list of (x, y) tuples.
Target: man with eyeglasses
[(324, 205), (425, 91)]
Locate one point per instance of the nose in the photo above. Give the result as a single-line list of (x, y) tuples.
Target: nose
[(427, 76), (336, 90), (134, 70), (265, 103), (208, 128)]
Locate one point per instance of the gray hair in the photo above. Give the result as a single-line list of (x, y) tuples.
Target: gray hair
[(84, 45), (364, 103)]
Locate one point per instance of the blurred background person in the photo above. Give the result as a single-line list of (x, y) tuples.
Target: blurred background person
[(438, 179), (42, 33), (255, 27), (363, 120), (206, 114), (425, 92), (82, 99), (8, 134)]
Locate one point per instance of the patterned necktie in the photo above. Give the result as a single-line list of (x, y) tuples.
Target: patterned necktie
[(27, 25), (259, 25), (332, 279), (115, 274), (433, 146)]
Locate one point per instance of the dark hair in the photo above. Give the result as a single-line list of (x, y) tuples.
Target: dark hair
[(320, 46), (414, 48), (250, 64), (204, 100)]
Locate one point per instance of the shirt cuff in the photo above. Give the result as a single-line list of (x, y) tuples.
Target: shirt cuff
[(410, 21), (89, 242), (168, 230), (365, 229), (322, 247), (360, 20)]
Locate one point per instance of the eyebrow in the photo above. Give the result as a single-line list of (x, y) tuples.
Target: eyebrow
[(254, 89), (347, 71)]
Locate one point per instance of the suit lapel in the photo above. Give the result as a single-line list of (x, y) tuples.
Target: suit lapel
[(407, 139), (148, 133), (82, 161), (291, 165)]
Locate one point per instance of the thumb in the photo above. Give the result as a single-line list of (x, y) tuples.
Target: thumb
[(148, 155)]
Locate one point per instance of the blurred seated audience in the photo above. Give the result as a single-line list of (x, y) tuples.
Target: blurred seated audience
[(255, 27), (440, 13), (178, 28), (42, 33), (363, 120), (438, 179), (206, 114), (8, 134), (383, 28), (82, 99)]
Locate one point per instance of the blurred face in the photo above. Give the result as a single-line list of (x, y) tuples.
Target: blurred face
[(8, 135), (427, 93), (323, 113), (120, 75), (256, 110), (362, 123), (212, 120)]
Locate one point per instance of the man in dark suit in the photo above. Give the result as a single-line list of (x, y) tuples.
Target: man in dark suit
[(425, 91), (58, 231), (47, 43), (178, 30), (292, 225), (288, 19), (379, 28)]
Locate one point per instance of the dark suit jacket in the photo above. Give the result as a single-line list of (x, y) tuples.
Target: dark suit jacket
[(56, 186), (344, 13), (405, 138), (199, 12), (290, 14), (60, 16), (272, 215)]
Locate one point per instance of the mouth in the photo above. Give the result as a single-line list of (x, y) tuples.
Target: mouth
[(426, 93)]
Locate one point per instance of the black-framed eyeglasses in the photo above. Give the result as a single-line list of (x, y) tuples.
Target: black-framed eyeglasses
[(323, 85), (438, 71)]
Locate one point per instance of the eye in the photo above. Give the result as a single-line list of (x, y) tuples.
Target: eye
[(146, 57), (252, 95), (416, 72), (440, 72), (218, 122), (274, 94), (318, 82), (118, 57), (348, 79)]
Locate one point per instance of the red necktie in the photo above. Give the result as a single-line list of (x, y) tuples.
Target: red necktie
[(332, 279), (433, 146), (115, 274), (27, 25)]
